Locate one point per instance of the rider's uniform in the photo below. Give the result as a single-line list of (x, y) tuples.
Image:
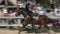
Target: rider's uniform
[(29, 12)]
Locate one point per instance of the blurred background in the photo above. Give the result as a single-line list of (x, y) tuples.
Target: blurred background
[(8, 9)]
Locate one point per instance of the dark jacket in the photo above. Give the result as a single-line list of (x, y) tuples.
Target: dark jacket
[(28, 11)]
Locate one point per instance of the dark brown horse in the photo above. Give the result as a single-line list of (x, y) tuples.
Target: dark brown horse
[(42, 20)]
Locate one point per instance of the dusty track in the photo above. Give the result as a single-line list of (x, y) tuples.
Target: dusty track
[(16, 32)]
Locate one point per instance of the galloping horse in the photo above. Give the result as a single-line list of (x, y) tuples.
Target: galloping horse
[(42, 20)]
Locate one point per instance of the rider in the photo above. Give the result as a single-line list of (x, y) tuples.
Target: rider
[(28, 9)]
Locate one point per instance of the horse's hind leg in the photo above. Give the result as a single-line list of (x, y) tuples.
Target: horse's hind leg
[(38, 30), (46, 26), (39, 27)]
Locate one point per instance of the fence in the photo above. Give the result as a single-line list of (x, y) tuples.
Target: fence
[(18, 21), (6, 21)]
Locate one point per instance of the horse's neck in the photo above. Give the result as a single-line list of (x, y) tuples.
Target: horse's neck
[(24, 14)]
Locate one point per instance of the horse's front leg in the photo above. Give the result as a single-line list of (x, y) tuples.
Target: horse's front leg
[(26, 21)]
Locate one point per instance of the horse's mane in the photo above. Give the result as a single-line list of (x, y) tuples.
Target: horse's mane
[(21, 11)]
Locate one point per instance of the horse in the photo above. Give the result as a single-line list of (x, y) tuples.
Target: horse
[(41, 20)]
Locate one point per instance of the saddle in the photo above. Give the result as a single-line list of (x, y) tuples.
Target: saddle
[(34, 18)]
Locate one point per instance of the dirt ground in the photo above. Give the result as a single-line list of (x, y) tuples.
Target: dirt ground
[(16, 32)]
